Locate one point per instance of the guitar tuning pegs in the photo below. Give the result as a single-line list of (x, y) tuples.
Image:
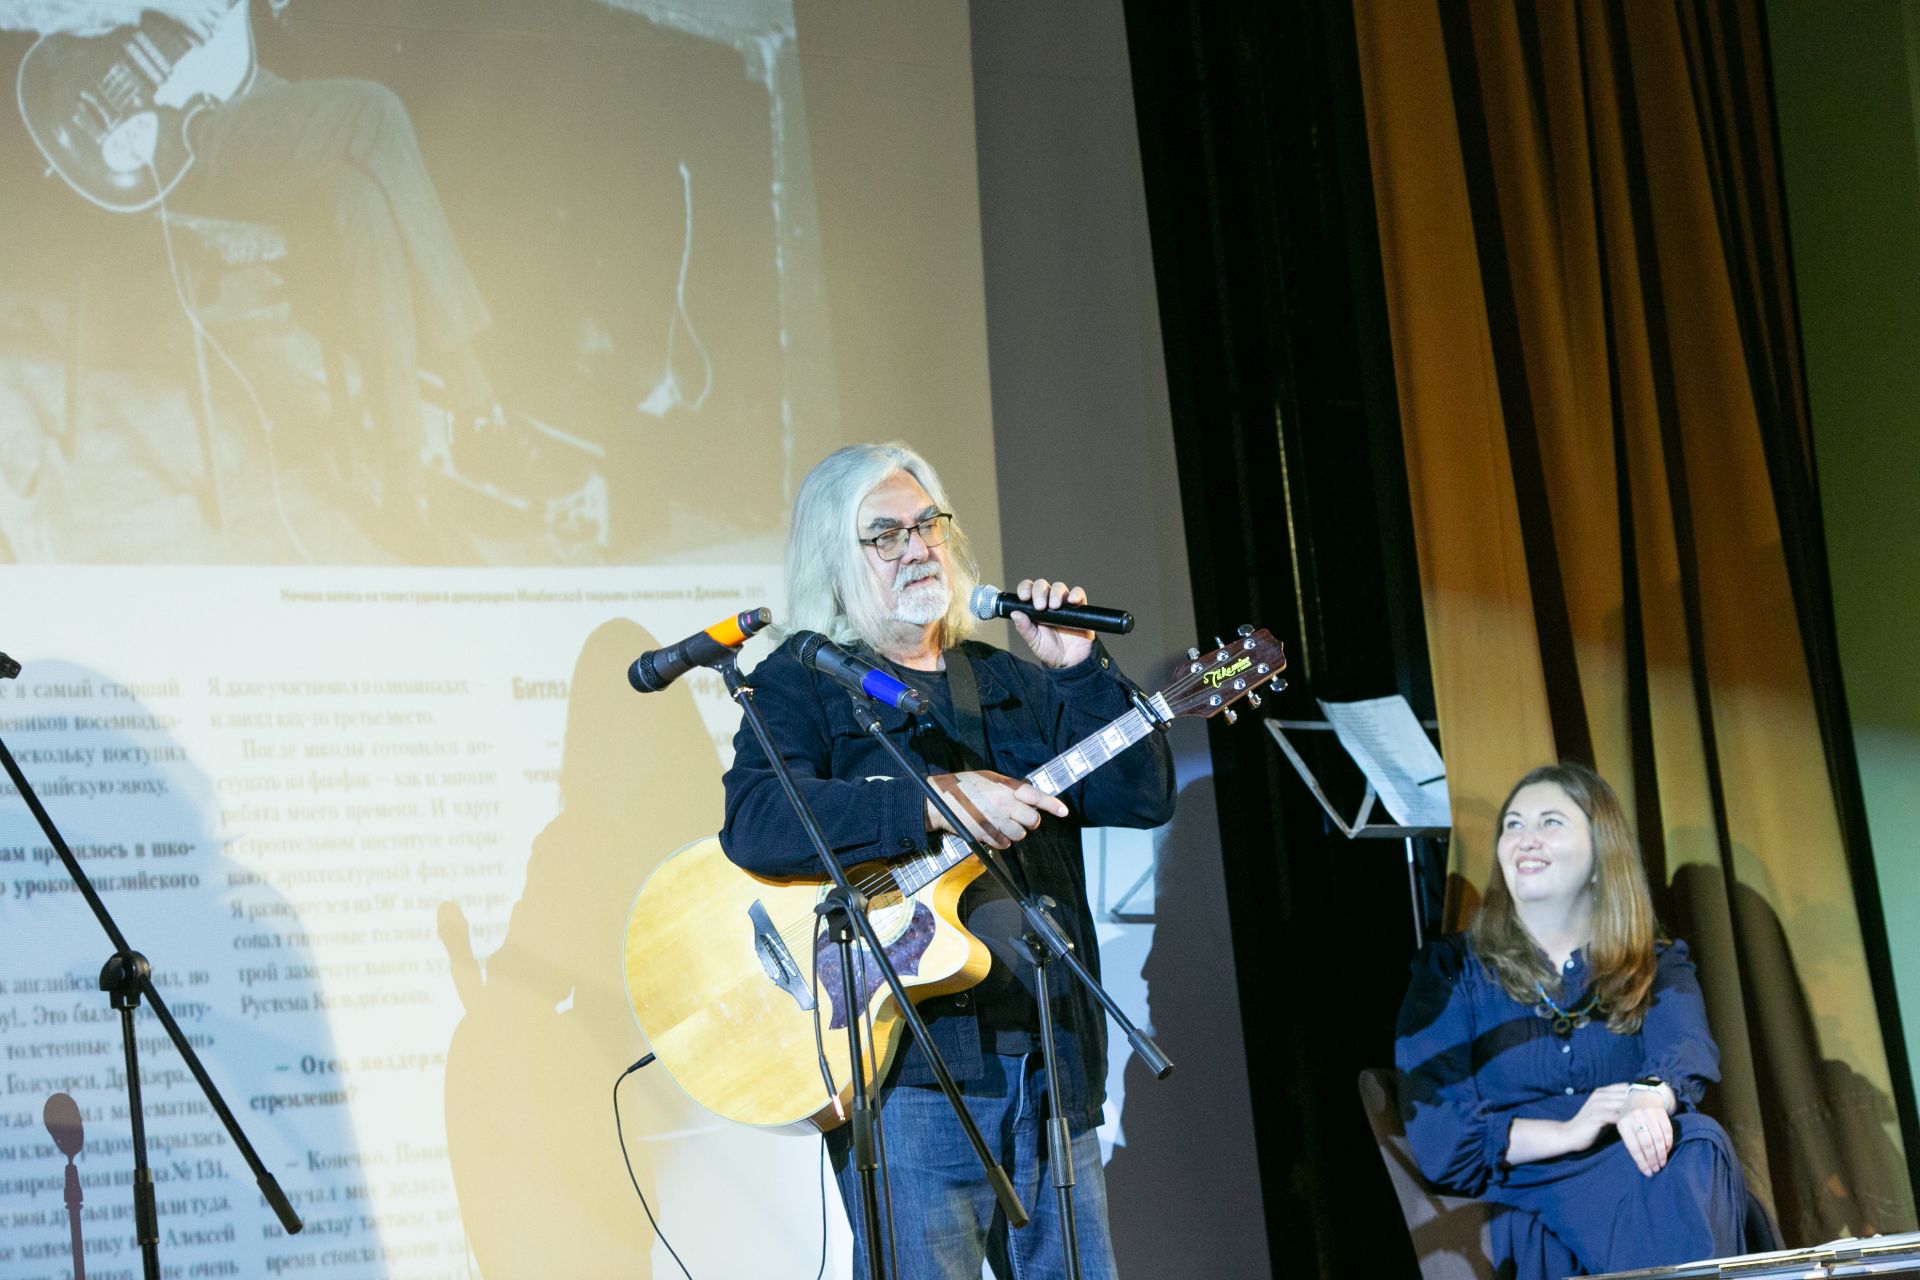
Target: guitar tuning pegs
[(1253, 700), (1233, 717), (1193, 654), (1218, 643), (1245, 629)]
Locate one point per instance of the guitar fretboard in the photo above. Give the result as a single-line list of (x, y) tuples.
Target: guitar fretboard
[(1053, 777)]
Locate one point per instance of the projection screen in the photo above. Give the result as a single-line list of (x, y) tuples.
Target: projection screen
[(378, 378)]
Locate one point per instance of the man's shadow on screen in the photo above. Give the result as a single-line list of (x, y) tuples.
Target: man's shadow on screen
[(1174, 1130), (548, 1027), (224, 922)]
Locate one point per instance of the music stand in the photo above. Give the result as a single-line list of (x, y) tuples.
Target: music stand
[(1361, 827)]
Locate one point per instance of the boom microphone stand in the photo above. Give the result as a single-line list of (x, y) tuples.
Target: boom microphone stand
[(127, 977), (1046, 942), (845, 910)]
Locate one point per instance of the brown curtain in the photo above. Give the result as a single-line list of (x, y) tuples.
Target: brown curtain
[(1612, 483)]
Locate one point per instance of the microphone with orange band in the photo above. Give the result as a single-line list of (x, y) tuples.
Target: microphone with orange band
[(655, 669)]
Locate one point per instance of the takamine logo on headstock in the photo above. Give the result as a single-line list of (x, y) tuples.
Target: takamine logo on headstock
[(1209, 684), (1219, 675)]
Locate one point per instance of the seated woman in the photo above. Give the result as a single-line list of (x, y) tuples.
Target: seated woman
[(1552, 1058)]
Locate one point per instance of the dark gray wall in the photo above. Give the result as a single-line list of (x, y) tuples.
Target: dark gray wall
[(1847, 85), (1088, 491)]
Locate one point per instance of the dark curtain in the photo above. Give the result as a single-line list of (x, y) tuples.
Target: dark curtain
[(1596, 355), (1293, 494)]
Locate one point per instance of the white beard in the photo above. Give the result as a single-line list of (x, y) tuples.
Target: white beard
[(921, 594)]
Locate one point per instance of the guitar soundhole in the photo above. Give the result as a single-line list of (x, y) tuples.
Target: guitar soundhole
[(904, 946), (891, 914)]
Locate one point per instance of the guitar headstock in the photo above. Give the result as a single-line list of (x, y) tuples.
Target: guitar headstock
[(1208, 684)]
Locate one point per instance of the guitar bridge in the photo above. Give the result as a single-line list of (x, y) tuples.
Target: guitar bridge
[(777, 958)]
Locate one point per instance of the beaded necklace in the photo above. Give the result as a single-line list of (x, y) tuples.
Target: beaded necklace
[(1566, 1021)]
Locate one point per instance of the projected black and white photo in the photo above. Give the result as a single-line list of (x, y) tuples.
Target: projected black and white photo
[(439, 283)]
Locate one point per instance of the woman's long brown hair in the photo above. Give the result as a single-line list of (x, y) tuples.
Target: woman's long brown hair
[(1620, 952)]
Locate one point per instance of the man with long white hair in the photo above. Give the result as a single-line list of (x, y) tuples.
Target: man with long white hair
[(877, 562)]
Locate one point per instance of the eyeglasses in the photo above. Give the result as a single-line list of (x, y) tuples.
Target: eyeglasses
[(892, 544)]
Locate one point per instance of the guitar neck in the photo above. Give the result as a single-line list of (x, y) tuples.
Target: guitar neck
[(1075, 763), (1053, 777)]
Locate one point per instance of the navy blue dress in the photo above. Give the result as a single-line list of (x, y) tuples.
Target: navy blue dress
[(1472, 1060)]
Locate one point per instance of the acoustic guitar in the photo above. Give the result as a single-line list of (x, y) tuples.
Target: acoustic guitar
[(743, 1005), (110, 111)]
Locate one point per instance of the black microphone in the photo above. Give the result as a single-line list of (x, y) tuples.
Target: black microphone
[(8, 667), (655, 669), (817, 653), (989, 603)]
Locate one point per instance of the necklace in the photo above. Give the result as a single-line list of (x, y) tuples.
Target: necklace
[(1566, 1021)]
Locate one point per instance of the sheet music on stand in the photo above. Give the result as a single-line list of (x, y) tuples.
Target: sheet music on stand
[(1403, 770)]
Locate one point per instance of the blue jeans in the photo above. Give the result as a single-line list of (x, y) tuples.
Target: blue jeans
[(946, 1222)]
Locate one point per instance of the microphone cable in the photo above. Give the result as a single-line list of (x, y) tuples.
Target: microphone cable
[(631, 1176), (620, 1133), (879, 1126), (204, 335), (821, 1274), (872, 1070), (826, 1077)]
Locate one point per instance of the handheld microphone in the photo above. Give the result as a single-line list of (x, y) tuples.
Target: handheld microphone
[(989, 603), (655, 669), (8, 667), (817, 653)]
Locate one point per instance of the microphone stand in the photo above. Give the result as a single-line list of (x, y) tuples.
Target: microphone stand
[(845, 911), (1046, 942), (126, 977)]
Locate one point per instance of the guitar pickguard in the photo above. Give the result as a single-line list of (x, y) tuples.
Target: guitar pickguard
[(905, 950), (129, 146)]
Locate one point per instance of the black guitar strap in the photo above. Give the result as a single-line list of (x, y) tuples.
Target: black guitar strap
[(963, 744), (969, 724), (970, 729)]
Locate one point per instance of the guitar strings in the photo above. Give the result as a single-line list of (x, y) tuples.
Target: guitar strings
[(792, 932)]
